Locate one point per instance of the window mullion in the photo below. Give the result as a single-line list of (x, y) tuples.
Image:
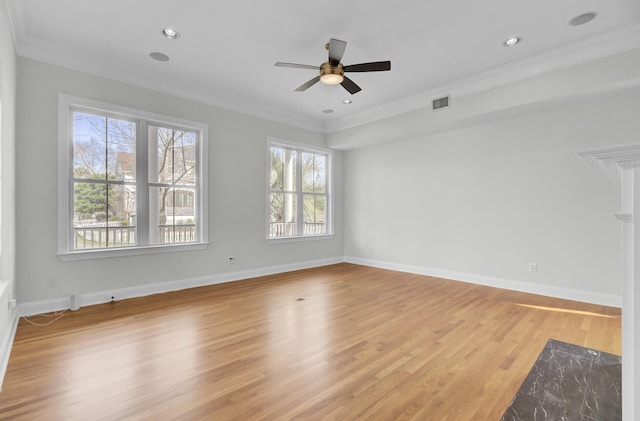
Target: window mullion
[(142, 183), (197, 191), (106, 177), (328, 192), (300, 201)]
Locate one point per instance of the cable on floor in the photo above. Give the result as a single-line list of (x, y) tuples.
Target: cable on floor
[(56, 314)]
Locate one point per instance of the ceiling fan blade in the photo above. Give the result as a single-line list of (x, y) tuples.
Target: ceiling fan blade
[(297, 66), (336, 50), (308, 84), (350, 86), (376, 66)]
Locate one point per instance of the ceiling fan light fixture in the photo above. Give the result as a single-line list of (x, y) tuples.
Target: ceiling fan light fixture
[(331, 79)]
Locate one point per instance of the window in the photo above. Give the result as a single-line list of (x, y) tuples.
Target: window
[(129, 181), (299, 191)]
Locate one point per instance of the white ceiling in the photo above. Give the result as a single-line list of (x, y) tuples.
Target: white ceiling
[(227, 49)]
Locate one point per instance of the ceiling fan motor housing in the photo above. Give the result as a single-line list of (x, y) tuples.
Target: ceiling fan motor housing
[(331, 75)]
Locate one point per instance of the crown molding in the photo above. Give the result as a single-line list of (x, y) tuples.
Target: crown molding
[(27, 47), (590, 49), (14, 14), (217, 99)]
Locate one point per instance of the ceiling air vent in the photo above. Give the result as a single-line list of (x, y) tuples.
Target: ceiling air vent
[(441, 102)]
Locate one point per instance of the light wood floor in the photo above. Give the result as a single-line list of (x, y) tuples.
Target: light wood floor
[(364, 344)]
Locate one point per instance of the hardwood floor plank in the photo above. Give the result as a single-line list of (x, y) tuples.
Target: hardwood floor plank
[(341, 342)]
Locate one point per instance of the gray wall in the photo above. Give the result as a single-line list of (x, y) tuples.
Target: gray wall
[(237, 168), (487, 200)]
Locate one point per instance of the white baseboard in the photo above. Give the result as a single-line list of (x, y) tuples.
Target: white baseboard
[(7, 344), (100, 297), (43, 306), (92, 298), (549, 291)]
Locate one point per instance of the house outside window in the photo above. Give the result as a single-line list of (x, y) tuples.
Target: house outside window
[(130, 181), (299, 191)]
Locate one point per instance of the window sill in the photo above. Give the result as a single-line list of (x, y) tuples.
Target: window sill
[(129, 251), (299, 238)]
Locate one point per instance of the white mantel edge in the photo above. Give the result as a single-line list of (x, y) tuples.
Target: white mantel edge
[(606, 163), (621, 165)]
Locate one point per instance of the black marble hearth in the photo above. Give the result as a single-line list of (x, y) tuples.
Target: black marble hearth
[(569, 382)]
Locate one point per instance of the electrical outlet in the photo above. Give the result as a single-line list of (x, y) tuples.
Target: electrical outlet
[(533, 267), (12, 304), (231, 258)]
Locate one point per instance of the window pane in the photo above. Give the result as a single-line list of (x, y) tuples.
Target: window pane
[(173, 156), (121, 150), (313, 172), (283, 215), (290, 171), (174, 218), (89, 146), (121, 229), (90, 202), (290, 208), (276, 206), (314, 214), (104, 216), (122, 205), (277, 169), (90, 215), (103, 146), (320, 174), (283, 169)]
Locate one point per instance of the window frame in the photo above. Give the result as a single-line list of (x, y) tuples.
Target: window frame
[(67, 105), (300, 148)]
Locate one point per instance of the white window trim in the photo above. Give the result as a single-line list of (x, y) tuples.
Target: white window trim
[(271, 141), (66, 103)]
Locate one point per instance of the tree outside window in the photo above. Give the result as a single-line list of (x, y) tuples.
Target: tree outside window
[(298, 191), (113, 203)]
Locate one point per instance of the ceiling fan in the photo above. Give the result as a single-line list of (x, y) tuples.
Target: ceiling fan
[(332, 71)]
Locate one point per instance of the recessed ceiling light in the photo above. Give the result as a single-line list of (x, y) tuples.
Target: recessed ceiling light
[(510, 42), (170, 33), (583, 18), (347, 101), (159, 56), (327, 111)]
